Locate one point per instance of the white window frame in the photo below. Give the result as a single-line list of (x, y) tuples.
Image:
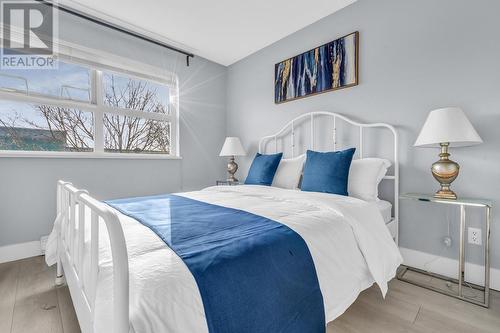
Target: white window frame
[(98, 63)]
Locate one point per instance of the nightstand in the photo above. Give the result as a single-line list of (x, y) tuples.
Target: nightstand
[(462, 203), (227, 182)]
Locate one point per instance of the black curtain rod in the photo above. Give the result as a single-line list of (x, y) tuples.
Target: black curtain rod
[(96, 20)]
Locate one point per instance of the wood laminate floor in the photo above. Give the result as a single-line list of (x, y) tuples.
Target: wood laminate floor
[(29, 302)]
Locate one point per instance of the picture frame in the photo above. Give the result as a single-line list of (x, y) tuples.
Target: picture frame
[(328, 67)]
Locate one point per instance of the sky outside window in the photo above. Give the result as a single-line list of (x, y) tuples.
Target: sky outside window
[(69, 81)]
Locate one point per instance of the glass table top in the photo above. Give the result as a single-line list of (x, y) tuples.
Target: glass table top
[(459, 201)]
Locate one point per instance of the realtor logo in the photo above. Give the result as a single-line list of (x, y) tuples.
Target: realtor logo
[(28, 31)]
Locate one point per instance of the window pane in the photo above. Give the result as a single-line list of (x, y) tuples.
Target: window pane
[(124, 134), (31, 127), (69, 81), (135, 94)]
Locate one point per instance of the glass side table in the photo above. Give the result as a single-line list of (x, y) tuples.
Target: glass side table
[(405, 273), (227, 182)]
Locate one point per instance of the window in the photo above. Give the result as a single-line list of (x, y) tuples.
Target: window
[(69, 81), (31, 127), (80, 109), (135, 94)]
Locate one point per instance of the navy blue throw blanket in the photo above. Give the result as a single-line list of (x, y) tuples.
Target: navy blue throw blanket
[(254, 274)]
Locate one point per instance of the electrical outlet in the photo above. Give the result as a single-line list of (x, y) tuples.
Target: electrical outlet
[(475, 236)]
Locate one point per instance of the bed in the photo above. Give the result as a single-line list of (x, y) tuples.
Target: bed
[(124, 278)]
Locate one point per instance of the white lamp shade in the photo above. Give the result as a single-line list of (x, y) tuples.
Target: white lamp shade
[(447, 125), (232, 147)]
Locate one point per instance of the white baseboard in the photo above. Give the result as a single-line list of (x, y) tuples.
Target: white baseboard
[(19, 251), (449, 267)]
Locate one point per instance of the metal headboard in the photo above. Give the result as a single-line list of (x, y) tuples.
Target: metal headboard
[(335, 116)]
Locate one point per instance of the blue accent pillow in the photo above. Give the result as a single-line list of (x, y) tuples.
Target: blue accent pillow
[(327, 172), (263, 169)]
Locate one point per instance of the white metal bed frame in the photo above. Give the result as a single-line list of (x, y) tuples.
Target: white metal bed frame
[(71, 208), (71, 204), (393, 224)]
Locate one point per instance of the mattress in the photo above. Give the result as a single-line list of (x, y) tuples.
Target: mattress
[(385, 208)]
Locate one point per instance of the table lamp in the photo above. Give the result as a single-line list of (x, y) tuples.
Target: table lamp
[(447, 127), (232, 147)]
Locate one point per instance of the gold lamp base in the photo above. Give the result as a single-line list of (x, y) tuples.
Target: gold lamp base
[(445, 171), (232, 167), (445, 194)]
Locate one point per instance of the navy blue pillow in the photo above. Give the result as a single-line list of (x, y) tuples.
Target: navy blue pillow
[(327, 172), (263, 169)]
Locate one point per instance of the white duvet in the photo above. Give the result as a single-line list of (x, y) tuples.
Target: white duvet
[(348, 240)]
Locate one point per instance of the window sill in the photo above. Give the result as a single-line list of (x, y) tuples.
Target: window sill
[(54, 154)]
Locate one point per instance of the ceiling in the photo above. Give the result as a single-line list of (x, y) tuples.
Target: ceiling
[(223, 31)]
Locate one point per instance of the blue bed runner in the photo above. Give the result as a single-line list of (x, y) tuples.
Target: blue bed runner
[(254, 274)]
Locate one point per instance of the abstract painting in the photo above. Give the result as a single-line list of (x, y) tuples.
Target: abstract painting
[(331, 66)]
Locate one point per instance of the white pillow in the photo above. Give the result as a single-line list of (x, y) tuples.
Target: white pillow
[(288, 173), (364, 176)]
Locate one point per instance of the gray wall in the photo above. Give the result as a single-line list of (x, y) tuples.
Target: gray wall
[(415, 56), (28, 185)]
